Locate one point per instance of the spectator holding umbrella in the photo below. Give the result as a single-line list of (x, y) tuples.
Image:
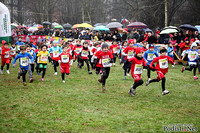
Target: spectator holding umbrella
[(124, 36)]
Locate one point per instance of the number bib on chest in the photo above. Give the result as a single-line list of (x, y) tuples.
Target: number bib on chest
[(115, 50), (138, 69), (44, 57), (84, 53), (130, 55), (65, 58), (106, 62), (192, 56), (163, 63), (55, 54), (6, 56), (78, 50), (150, 56), (24, 61)]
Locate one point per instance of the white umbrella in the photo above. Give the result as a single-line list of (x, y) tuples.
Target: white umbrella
[(114, 25), (33, 29), (168, 31)]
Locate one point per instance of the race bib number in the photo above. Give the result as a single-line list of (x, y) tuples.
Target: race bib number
[(150, 56), (55, 54), (6, 56), (106, 62), (138, 69), (192, 56), (65, 58), (84, 53), (130, 55), (115, 50), (12, 52), (78, 50), (24, 61), (163, 63), (18, 47), (44, 57)]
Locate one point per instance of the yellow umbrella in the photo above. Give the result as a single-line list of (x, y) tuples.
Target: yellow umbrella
[(85, 25), (75, 26)]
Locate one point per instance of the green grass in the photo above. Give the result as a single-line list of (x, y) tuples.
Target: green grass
[(80, 106)]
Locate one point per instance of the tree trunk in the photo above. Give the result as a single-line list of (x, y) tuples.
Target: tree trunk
[(166, 13)]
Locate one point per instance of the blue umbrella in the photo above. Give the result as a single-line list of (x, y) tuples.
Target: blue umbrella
[(198, 28), (188, 27), (101, 28)]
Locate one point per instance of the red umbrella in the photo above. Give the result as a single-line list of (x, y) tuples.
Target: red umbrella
[(138, 25)]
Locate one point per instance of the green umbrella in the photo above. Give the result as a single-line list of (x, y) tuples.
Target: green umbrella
[(58, 27)]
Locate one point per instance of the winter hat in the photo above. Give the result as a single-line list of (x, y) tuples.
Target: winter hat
[(138, 50), (105, 45), (3, 42), (193, 45), (192, 40), (151, 46), (186, 39), (130, 41)]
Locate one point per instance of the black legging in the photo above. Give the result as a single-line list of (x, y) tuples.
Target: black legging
[(105, 71), (192, 67), (127, 66), (32, 67), (98, 70), (82, 63), (149, 70), (44, 71), (136, 84), (6, 68), (55, 64), (63, 75), (23, 74), (114, 58), (163, 82)]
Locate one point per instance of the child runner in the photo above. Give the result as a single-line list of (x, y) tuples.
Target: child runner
[(43, 58), (94, 58), (19, 43), (170, 51), (128, 53), (137, 64), (5, 58), (161, 68), (31, 64), (145, 46), (192, 59), (84, 54), (107, 59), (114, 49), (65, 58), (55, 56), (149, 56), (23, 57), (124, 45), (12, 51), (76, 51)]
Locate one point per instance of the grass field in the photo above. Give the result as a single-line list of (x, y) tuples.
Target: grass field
[(80, 106)]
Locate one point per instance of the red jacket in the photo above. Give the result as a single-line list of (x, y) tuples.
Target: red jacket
[(183, 46), (99, 63), (162, 63), (114, 49), (130, 52), (5, 56), (105, 58), (137, 65), (65, 59)]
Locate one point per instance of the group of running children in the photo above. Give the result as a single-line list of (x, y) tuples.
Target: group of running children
[(100, 56)]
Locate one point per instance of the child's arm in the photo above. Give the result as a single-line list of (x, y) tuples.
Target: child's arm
[(60, 50), (170, 60), (151, 65), (50, 50), (184, 52), (156, 54), (15, 59), (145, 56), (39, 54), (34, 55)]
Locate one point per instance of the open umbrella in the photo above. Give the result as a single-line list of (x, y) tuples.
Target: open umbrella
[(100, 24), (138, 25), (75, 26), (46, 23), (58, 27), (168, 31), (33, 29), (38, 26), (84, 25), (188, 27), (13, 25), (148, 30), (114, 25), (101, 28), (198, 28), (68, 26)]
